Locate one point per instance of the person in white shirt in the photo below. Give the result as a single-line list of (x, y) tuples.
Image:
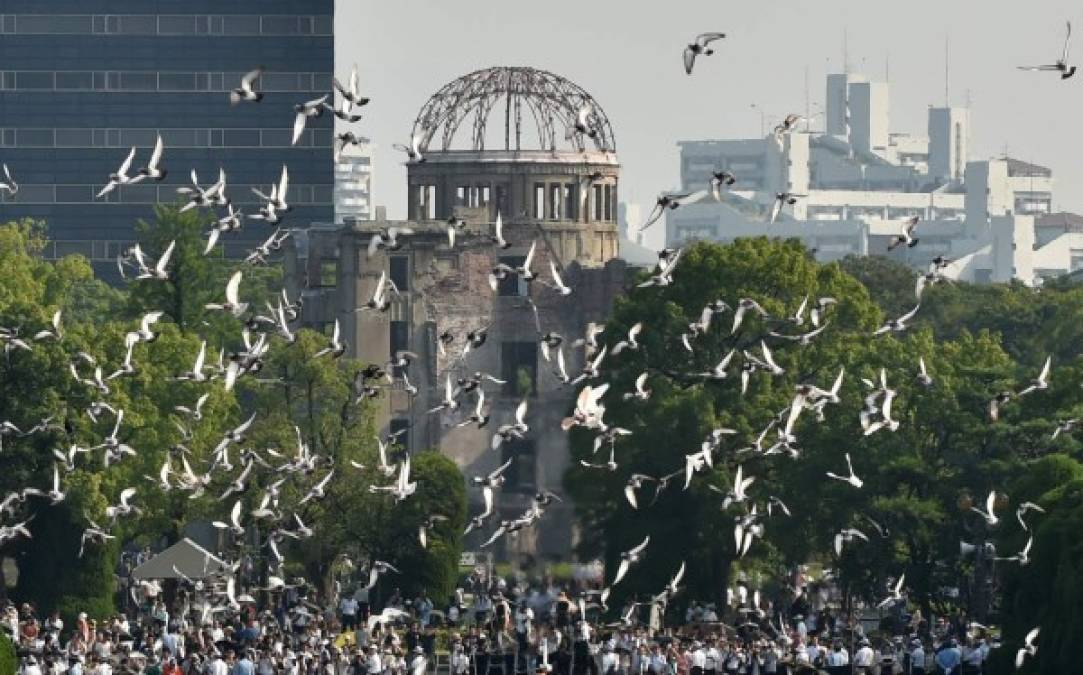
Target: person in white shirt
[(373, 664), (863, 658), (217, 666), (711, 659), (699, 658), (347, 608)]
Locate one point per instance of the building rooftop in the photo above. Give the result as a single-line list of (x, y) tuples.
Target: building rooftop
[(1069, 222), (1017, 167)]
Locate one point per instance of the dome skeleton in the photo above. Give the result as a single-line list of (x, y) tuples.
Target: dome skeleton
[(553, 102)]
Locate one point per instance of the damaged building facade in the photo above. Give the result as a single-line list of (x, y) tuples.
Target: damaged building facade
[(497, 143)]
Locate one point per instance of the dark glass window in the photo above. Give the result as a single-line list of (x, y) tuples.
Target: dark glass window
[(137, 81), (329, 273), (176, 24), (279, 25), (34, 79), (399, 272), (519, 368), (248, 138), (53, 23), (512, 286), (73, 138), (399, 336), (240, 24), (80, 80), (522, 474), (138, 24), (176, 81), (35, 138)]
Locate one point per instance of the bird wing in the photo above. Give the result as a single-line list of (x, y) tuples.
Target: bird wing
[(232, 288), (298, 127), (909, 315), (250, 77), (487, 495), (1044, 375), (520, 413), (990, 501), (639, 549), (156, 154), (123, 170), (530, 255), (283, 183), (630, 495), (166, 255), (621, 571), (235, 514), (501, 469), (1067, 42), (125, 495)]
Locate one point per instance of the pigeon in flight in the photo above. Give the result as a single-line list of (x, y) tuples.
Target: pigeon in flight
[(628, 557), (8, 184), (413, 151), (306, 110), (1042, 383), (246, 92), (852, 478), (120, 176), (906, 236), (781, 199), (699, 47), (719, 180), (897, 325), (154, 169), (1028, 648), (1061, 65)]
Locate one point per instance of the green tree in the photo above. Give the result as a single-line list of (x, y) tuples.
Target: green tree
[(916, 479)]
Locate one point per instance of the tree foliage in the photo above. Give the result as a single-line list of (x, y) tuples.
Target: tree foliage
[(297, 398), (919, 481)]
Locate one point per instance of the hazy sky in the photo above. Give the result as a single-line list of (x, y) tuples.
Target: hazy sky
[(627, 54)]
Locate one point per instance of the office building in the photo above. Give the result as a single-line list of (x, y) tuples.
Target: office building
[(83, 81), (858, 182), (353, 185)]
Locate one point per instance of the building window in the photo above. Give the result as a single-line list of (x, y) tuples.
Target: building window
[(399, 429), (399, 272), (519, 368), (556, 207), (609, 199), (425, 207), (571, 201), (539, 201), (512, 286), (501, 198), (328, 273), (398, 340), (597, 200), (522, 474)]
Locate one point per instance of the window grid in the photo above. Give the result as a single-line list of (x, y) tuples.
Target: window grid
[(166, 24), (144, 193), (164, 81), (92, 137)]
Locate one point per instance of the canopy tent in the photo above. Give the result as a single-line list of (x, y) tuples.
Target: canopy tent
[(186, 557)]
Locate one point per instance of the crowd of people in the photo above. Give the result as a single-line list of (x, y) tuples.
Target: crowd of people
[(485, 629)]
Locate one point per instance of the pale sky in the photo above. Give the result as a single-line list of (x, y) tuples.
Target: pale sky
[(627, 54)]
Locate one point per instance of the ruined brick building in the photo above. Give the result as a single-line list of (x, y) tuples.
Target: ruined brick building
[(552, 186)]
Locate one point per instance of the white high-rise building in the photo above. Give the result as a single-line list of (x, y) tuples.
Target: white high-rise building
[(858, 183), (353, 184)]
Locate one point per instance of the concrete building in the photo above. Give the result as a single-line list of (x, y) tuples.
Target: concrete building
[(554, 191), (858, 182), (353, 185), (82, 81)]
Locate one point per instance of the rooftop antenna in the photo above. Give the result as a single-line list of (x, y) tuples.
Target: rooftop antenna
[(845, 54), (806, 99), (946, 44)]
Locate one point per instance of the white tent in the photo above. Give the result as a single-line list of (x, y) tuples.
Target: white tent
[(186, 557)]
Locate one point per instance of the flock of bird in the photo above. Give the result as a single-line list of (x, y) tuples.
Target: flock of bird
[(217, 591)]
